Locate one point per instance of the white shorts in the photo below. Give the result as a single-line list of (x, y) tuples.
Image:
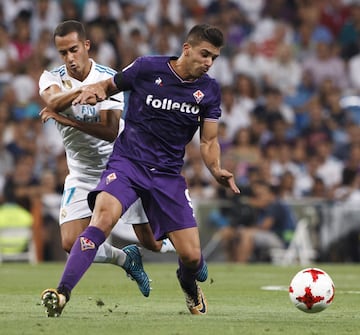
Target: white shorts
[(74, 205)]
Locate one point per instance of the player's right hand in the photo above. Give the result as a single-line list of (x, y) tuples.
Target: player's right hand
[(90, 95)]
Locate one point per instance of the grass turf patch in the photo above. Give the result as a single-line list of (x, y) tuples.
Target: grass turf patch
[(106, 302)]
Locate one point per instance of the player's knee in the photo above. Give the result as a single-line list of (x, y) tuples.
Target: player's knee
[(67, 243), (191, 258)]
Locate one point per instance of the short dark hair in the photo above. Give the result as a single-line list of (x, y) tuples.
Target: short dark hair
[(205, 32), (68, 27)]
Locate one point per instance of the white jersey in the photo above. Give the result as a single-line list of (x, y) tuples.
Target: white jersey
[(86, 154)]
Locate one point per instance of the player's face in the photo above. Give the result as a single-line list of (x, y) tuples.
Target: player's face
[(200, 58), (74, 53)]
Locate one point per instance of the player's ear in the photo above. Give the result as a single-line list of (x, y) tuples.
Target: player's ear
[(87, 45), (186, 48)]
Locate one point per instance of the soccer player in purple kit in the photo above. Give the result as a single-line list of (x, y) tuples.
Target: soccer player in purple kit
[(171, 97)]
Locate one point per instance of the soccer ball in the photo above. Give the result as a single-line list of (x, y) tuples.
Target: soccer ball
[(311, 290)]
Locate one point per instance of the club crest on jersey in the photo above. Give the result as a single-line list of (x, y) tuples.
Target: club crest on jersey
[(158, 81), (86, 244), (111, 177), (63, 213), (198, 95), (67, 84)]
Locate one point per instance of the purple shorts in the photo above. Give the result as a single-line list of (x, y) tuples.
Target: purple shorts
[(164, 195)]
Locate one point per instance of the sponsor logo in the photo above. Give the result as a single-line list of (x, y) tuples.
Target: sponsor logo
[(158, 81), (86, 244), (171, 105)]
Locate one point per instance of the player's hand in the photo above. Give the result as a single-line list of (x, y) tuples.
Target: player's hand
[(226, 178), (47, 114), (90, 95)]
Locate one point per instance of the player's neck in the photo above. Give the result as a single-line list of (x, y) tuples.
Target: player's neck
[(178, 66)]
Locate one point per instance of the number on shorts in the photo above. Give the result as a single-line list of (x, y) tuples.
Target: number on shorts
[(67, 196)]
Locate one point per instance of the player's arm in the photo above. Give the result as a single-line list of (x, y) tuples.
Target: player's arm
[(58, 100), (210, 152), (106, 129), (98, 91)]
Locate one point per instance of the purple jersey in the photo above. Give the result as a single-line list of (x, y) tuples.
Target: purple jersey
[(164, 112)]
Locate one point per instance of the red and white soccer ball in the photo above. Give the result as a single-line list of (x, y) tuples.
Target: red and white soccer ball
[(312, 290)]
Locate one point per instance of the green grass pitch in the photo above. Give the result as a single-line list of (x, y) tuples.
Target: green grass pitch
[(107, 302)]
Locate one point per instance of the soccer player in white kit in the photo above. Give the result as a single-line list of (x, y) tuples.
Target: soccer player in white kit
[(88, 132)]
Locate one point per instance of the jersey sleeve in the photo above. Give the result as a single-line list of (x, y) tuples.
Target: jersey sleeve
[(48, 79), (213, 110), (125, 79)]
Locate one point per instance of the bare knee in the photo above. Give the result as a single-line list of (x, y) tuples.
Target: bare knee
[(67, 242), (190, 257), (71, 230)]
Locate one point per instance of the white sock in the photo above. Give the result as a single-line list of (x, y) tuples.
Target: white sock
[(167, 246), (109, 254)]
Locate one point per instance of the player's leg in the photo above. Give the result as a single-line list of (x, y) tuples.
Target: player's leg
[(75, 216), (170, 213), (106, 213), (192, 268), (70, 230), (134, 226)]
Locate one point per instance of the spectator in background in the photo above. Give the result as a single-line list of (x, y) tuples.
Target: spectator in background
[(330, 168), (129, 21), (273, 229), (6, 159), (249, 61), (325, 64), (285, 71), (315, 127), (273, 108), (22, 186), (333, 15), (233, 115), (353, 160), (246, 93), (101, 50), (46, 15), (349, 32), (244, 153), (353, 70), (12, 8), (8, 57), (70, 10), (21, 36), (50, 200), (106, 18), (158, 12)]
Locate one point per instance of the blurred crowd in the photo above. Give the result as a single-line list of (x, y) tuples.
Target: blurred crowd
[(289, 75)]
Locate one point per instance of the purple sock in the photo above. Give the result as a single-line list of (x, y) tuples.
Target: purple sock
[(188, 275), (81, 256)]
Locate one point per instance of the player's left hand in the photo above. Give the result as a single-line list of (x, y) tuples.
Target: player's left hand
[(226, 178)]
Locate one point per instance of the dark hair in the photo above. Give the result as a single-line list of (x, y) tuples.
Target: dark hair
[(205, 32), (70, 26)]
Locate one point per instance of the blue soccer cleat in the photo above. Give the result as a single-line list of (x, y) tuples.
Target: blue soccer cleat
[(134, 268)]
